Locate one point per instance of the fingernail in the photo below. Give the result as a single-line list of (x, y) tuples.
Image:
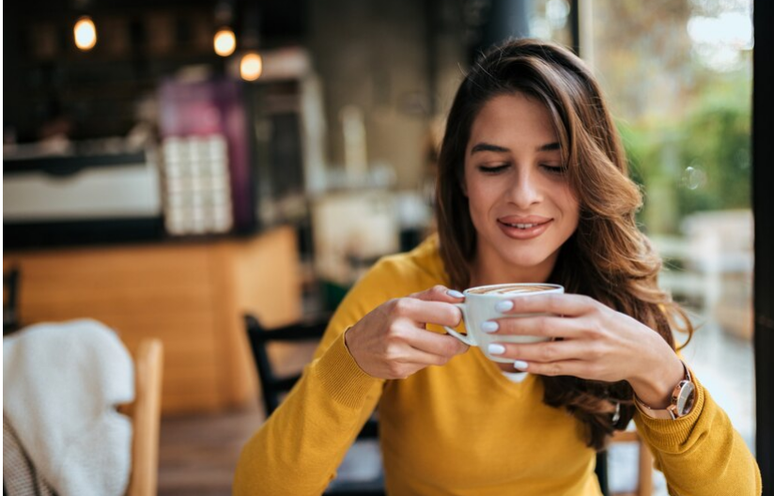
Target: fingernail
[(496, 349), (504, 306), (490, 326), (519, 365), (455, 294)]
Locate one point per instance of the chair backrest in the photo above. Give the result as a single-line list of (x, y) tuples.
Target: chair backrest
[(273, 385), (145, 412)]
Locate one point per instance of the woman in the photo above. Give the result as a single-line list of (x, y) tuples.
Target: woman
[(532, 187)]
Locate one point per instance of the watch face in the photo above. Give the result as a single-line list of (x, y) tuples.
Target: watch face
[(684, 399)]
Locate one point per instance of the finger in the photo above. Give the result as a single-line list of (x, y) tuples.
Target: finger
[(401, 369), (421, 359), (406, 360), (439, 293), (435, 344), (428, 312), (545, 352), (554, 303), (576, 368), (547, 326)]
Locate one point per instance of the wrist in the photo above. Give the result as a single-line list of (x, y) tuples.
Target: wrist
[(655, 387)]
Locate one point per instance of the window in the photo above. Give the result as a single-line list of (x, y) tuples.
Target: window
[(678, 74)]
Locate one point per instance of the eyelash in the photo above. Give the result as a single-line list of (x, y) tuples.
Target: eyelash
[(493, 170), (499, 168), (554, 169)]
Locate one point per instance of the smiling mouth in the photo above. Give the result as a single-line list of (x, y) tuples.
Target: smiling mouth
[(524, 226)]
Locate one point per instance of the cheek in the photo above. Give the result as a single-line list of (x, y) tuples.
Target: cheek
[(479, 199), (571, 208)]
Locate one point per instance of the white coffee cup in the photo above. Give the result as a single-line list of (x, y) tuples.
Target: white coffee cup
[(479, 307)]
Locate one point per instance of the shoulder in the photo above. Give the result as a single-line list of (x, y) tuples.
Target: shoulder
[(415, 270)]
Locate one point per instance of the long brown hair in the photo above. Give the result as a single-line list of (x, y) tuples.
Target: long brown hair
[(607, 257)]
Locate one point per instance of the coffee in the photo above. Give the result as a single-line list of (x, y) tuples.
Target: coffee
[(511, 289)]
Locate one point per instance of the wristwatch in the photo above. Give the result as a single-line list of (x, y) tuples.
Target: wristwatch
[(681, 402)]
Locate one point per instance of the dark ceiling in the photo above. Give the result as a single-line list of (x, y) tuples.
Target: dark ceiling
[(275, 18)]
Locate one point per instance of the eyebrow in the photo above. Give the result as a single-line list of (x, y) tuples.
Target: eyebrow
[(549, 147), (488, 147)]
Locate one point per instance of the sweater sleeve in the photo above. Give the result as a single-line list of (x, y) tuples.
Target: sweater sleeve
[(299, 448), (701, 453)]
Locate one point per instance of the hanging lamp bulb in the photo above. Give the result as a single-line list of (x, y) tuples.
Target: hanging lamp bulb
[(85, 33), (251, 66), (224, 42)]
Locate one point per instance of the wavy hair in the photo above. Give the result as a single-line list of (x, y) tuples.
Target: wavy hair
[(607, 258)]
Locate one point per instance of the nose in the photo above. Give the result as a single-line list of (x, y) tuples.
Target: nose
[(525, 190)]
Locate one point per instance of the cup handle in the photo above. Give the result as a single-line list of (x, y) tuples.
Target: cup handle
[(468, 340)]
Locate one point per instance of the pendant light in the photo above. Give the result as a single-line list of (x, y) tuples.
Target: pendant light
[(224, 41), (85, 33), (251, 62)]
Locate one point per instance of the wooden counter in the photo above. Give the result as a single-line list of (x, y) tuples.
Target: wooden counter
[(190, 295)]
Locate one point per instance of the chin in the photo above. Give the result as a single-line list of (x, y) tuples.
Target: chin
[(530, 260)]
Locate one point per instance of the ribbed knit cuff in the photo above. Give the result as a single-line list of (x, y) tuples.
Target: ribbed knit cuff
[(341, 376), (668, 434)]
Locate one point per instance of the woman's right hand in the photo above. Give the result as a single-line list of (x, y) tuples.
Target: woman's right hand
[(392, 342)]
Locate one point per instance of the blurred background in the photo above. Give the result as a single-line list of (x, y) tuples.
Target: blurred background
[(169, 166)]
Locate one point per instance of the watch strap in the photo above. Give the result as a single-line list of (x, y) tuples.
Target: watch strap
[(681, 401)]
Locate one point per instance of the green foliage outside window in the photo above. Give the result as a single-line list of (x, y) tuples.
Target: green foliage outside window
[(701, 162)]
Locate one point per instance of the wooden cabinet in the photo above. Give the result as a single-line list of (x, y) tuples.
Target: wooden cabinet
[(190, 295)]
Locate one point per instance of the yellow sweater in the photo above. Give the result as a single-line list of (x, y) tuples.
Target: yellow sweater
[(463, 428)]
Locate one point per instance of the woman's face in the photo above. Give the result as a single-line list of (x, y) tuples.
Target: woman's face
[(520, 199)]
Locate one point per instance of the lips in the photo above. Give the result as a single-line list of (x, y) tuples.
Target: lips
[(524, 227)]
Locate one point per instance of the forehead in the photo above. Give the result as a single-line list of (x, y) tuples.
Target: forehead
[(513, 120)]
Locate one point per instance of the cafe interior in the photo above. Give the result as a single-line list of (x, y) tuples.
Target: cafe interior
[(181, 179)]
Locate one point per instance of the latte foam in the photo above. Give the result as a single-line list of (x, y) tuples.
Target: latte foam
[(511, 289)]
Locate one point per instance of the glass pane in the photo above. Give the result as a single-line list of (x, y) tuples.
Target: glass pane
[(678, 74), (550, 20)]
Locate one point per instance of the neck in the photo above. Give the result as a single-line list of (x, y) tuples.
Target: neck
[(487, 269)]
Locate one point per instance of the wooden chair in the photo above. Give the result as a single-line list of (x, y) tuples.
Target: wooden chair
[(145, 412), (644, 466), (274, 386)]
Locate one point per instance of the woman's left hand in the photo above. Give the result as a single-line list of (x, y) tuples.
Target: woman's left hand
[(597, 343)]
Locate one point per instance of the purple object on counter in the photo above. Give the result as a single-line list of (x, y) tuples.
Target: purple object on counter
[(213, 107)]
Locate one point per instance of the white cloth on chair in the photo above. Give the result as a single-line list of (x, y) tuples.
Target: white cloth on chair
[(62, 383)]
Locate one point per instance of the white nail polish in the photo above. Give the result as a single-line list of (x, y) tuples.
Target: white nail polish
[(490, 326), (496, 349), (504, 306), (455, 294), (520, 365)]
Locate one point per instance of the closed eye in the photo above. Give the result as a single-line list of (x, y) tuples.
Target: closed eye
[(553, 169), (492, 169)]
